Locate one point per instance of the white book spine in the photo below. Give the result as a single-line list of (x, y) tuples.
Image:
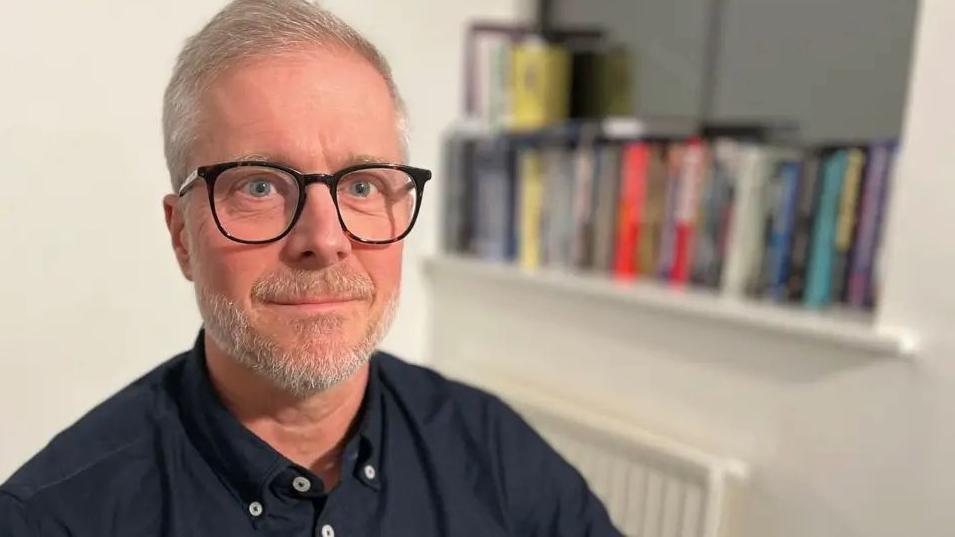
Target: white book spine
[(745, 241)]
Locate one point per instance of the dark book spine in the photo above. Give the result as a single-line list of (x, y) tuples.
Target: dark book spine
[(707, 227), (802, 231), (783, 224), (456, 209), (510, 167), (772, 201)]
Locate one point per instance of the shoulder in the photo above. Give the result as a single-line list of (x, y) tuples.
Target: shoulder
[(540, 491), (429, 395), (112, 432), (461, 418)]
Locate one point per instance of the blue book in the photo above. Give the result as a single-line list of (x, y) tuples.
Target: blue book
[(822, 249), (784, 222)]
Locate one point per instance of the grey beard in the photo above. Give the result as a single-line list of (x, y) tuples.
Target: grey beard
[(311, 365)]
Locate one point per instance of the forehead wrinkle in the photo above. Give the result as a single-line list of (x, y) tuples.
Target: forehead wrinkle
[(351, 160)]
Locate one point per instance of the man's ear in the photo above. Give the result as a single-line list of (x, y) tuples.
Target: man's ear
[(176, 223)]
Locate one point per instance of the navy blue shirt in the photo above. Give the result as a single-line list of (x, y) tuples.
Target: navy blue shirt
[(430, 457)]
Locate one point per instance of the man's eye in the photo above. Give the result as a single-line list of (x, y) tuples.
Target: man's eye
[(259, 188), (361, 189)]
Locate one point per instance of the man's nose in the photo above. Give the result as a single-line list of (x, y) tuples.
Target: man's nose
[(318, 239)]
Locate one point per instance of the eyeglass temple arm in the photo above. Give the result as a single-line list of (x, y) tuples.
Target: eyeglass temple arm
[(190, 180)]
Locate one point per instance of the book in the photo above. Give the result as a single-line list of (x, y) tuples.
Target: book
[(691, 177), (802, 230), (784, 219), (651, 217), (616, 82), (846, 223), (873, 287), (492, 206), (819, 271), (585, 169), (724, 202), (744, 251), (601, 82), (490, 93), (629, 208), (584, 90), (704, 242), (714, 210), (861, 291), (772, 193), (498, 112), (605, 205), (667, 247), (540, 83), (456, 215), (529, 207), (558, 215)]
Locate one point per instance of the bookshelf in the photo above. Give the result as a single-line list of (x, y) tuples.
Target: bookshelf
[(726, 230), (835, 330)]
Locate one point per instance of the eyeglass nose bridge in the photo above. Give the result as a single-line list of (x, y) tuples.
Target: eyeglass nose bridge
[(326, 179)]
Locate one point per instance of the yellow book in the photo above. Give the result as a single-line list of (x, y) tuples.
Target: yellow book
[(850, 196), (540, 84), (846, 221), (531, 208)]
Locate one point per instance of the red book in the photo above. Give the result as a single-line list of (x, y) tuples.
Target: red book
[(692, 174), (633, 189)]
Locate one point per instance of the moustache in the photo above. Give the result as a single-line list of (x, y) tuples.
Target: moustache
[(337, 283)]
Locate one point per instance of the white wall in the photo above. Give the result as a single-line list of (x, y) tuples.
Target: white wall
[(842, 444), (92, 297)]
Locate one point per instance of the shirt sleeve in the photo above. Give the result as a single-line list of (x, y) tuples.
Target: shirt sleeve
[(13, 518), (545, 494)]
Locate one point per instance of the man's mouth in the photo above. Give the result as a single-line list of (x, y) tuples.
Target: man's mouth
[(313, 304)]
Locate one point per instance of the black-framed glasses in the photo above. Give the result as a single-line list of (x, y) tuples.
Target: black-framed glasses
[(255, 202)]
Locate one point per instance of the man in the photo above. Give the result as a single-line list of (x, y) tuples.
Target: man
[(283, 134)]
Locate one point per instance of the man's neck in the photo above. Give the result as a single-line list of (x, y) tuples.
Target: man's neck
[(311, 432)]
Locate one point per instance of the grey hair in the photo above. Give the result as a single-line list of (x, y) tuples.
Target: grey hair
[(246, 29)]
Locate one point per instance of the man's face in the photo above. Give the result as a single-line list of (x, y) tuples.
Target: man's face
[(308, 309)]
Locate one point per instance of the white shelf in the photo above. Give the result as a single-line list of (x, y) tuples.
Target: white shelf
[(838, 328)]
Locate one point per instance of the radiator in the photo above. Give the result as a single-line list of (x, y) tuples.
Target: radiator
[(652, 486)]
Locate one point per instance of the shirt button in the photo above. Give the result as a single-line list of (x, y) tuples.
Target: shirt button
[(370, 471), (301, 484), (328, 531), (255, 509)]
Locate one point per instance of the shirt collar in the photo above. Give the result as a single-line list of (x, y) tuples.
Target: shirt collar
[(243, 460)]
